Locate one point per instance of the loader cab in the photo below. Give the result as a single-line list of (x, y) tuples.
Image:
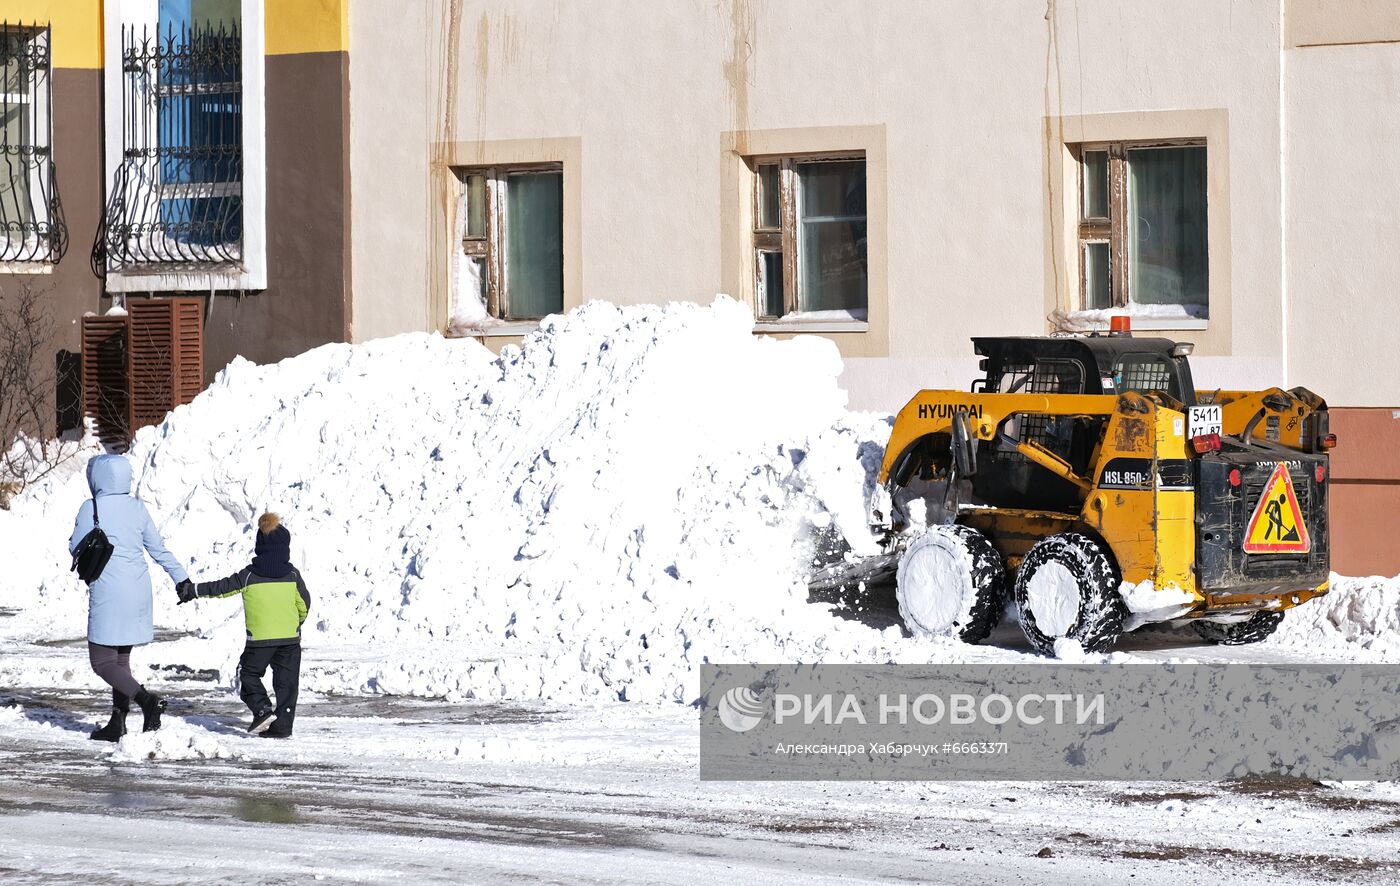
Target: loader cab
[(1085, 365), (1111, 364)]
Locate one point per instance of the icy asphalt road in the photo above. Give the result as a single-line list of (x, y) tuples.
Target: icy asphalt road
[(397, 790), (388, 789)]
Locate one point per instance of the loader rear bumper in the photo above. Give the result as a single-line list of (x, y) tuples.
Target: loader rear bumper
[(1256, 598)]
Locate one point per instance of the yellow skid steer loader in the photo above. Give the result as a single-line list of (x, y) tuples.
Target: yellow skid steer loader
[(1088, 478)]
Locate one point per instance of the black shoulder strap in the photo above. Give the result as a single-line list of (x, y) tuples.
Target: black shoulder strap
[(95, 522)]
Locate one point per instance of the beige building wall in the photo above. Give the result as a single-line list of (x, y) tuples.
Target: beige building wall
[(963, 110), (1343, 218), (391, 119), (1341, 66)]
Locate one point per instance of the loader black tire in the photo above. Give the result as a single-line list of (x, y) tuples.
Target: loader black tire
[(1257, 627), (951, 583), (1067, 563)]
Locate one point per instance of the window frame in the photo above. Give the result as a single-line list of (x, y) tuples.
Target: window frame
[(249, 273), (783, 239), (47, 225), (491, 246), (1114, 228)]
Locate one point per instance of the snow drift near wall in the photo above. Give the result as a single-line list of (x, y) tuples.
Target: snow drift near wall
[(591, 514), (1361, 615)]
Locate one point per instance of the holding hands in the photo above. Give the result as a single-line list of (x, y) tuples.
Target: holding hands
[(185, 591)]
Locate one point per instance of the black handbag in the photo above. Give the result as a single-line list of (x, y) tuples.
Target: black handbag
[(92, 553)]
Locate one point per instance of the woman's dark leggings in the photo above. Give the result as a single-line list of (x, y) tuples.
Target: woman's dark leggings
[(113, 665)]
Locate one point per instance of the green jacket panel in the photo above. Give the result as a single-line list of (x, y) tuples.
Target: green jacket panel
[(273, 608)]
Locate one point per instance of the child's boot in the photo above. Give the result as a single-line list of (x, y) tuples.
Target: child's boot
[(261, 721)]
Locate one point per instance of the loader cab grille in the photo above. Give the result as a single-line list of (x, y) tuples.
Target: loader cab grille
[(1043, 377), (1145, 374), (1019, 482)]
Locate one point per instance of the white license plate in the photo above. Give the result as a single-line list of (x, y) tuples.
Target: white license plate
[(1202, 420)]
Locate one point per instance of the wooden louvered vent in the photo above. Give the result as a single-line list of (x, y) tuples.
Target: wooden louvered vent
[(105, 397), (139, 367), (166, 366)]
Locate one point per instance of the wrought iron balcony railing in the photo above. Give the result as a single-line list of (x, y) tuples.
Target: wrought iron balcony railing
[(176, 201), (32, 228)]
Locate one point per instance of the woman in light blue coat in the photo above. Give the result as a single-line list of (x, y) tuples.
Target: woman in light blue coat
[(119, 602)]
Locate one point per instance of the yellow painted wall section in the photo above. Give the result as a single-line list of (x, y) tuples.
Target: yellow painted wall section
[(76, 27), (293, 26)]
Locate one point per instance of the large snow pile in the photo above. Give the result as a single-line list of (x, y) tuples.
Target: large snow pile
[(592, 514)]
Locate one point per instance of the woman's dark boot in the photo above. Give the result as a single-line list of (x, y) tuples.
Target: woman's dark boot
[(151, 706), (116, 727)]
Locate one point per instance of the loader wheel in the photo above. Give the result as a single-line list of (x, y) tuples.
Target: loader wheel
[(1258, 626), (1068, 588), (950, 584)]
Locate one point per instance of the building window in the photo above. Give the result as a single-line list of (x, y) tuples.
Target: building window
[(31, 216), (511, 227), (1142, 228), (185, 149), (809, 238), (178, 195)]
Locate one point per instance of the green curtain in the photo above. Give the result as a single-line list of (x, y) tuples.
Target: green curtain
[(534, 244)]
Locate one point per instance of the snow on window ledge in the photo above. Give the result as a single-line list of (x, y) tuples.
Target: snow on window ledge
[(1154, 317), (816, 321), (489, 328), (26, 267)]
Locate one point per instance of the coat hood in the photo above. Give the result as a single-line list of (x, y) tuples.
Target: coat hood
[(109, 475)]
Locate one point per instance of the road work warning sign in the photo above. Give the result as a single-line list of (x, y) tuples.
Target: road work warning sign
[(1277, 525)]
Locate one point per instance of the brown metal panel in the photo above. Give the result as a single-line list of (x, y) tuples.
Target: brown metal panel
[(1368, 443), (136, 368), (1365, 492), (189, 349), (1360, 520), (166, 357), (151, 362)]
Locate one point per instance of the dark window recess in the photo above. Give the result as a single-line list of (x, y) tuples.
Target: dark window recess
[(106, 391), (31, 214), (177, 198), (68, 402)]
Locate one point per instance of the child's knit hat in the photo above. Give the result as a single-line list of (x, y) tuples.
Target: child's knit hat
[(273, 548)]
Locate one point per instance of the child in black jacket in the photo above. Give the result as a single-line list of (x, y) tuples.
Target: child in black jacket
[(275, 604)]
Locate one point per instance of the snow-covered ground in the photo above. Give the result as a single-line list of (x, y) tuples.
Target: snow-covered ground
[(517, 567), (394, 790)]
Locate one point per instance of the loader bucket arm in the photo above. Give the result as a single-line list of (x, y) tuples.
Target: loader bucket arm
[(1291, 418)]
